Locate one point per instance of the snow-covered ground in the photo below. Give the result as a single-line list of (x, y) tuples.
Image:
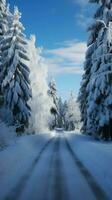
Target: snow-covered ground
[(7, 135), (96, 156), (17, 159), (56, 166)]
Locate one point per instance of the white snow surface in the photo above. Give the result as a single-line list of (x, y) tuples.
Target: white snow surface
[(96, 156), (17, 159), (7, 135)]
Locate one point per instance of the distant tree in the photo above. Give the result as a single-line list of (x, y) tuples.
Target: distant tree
[(61, 113), (65, 109), (72, 114), (52, 92), (16, 83)]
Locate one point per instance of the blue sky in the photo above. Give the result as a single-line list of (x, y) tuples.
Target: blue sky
[(60, 28)]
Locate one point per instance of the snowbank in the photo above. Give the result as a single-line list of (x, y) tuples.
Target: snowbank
[(7, 135)]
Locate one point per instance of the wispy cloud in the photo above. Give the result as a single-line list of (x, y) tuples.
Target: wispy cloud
[(67, 59), (83, 20), (55, 69), (81, 2)]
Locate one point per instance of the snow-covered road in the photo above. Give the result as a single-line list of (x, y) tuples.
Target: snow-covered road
[(49, 171)]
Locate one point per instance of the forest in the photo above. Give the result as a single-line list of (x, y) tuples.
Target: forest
[(55, 142)]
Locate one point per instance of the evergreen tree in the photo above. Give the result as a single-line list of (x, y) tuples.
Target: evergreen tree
[(3, 18), (16, 84), (3, 30), (52, 92), (61, 113), (83, 94), (72, 114), (98, 89), (65, 107), (100, 113), (40, 102)]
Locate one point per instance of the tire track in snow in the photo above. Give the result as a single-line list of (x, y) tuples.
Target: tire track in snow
[(19, 188), (57, 183), (95, 187)]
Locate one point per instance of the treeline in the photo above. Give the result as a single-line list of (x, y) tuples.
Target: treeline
[(66, 114)]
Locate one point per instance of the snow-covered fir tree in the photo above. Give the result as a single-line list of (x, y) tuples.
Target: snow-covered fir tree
[(61, 113), (101, 86), (3, 18), (16, 83), (83, 94), (40, 102), (72, 114), (65, 107), (3, 29), (98, 100), (52, 92)]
